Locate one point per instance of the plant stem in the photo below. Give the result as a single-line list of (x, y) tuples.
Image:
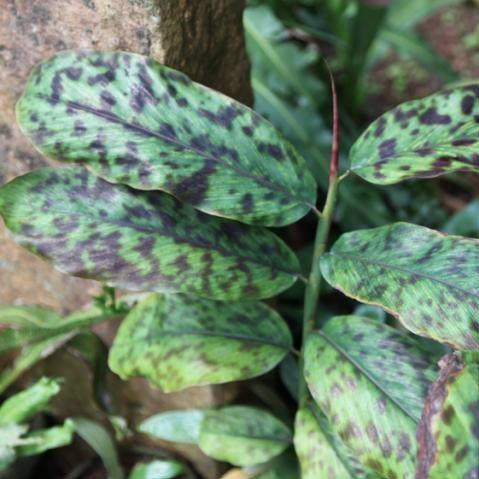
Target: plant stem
[(311, 297), (314, 284)]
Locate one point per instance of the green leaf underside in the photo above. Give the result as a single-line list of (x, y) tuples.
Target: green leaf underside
[(178, 341), (98, 438), (448, 434), (425, 278), (156, 470), (10, 436), (176, 426), (421, 138), (315, 453), (134, 121), (243, 436), (373, 413), (142, 241)]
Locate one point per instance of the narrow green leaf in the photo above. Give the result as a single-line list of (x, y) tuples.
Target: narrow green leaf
[(134, 121), (374, 413), (406, 14), (175, 426), (142, 241), (316, 455), (243, 436), (101, 442), (177, 341), (448, 434), (156, 470), (29, 324), (30, 355), (45, 439), (426, 279), (410, 44), (24, 405), (421, 138)]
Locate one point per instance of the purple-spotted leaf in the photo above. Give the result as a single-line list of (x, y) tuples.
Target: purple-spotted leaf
[(421, 138), (425, 278), (134, 121), (320, 453), (373, 412), (243, 435), (177, 341), (448, 434), (142, 241)]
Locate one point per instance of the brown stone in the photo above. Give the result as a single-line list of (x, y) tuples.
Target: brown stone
[(202, 38)]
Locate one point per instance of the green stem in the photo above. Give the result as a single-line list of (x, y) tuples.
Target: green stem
[(311, 297)]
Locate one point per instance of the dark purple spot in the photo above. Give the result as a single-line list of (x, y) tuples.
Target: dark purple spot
[(432, 117)]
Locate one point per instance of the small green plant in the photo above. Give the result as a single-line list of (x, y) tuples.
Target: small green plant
[(16, 438), (179, 186)]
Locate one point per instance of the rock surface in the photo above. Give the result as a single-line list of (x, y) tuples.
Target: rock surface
[(204, 39)]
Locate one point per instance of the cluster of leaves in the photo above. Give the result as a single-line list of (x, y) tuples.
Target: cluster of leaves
[(179, 186), (16, 440)]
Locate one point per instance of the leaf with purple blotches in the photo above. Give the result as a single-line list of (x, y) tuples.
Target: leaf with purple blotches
[(425, 278), (370, 381), (177, 341), (421, 138), (448, 434), (243, 435), (320, 452), (134, 121), (142, 241)]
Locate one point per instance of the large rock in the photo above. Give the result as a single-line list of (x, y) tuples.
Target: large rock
[(202, 38)]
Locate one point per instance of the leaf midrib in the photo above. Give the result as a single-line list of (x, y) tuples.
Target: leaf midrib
[(211, 334), (366, 373), (140, 129), (206, 246), (246, 436), (403, 270)]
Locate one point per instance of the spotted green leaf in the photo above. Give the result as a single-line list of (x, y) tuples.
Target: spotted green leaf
[(370, 381), (141, 241), (176, 426), (317, 453), (421, 138), (134, 121), (242, 435), (427, 279), (178, 341), (448, 434)]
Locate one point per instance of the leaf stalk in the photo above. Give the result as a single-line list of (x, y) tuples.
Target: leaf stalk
[(311, 297)]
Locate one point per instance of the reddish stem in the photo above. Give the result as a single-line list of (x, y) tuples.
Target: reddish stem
[(334, 164)]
